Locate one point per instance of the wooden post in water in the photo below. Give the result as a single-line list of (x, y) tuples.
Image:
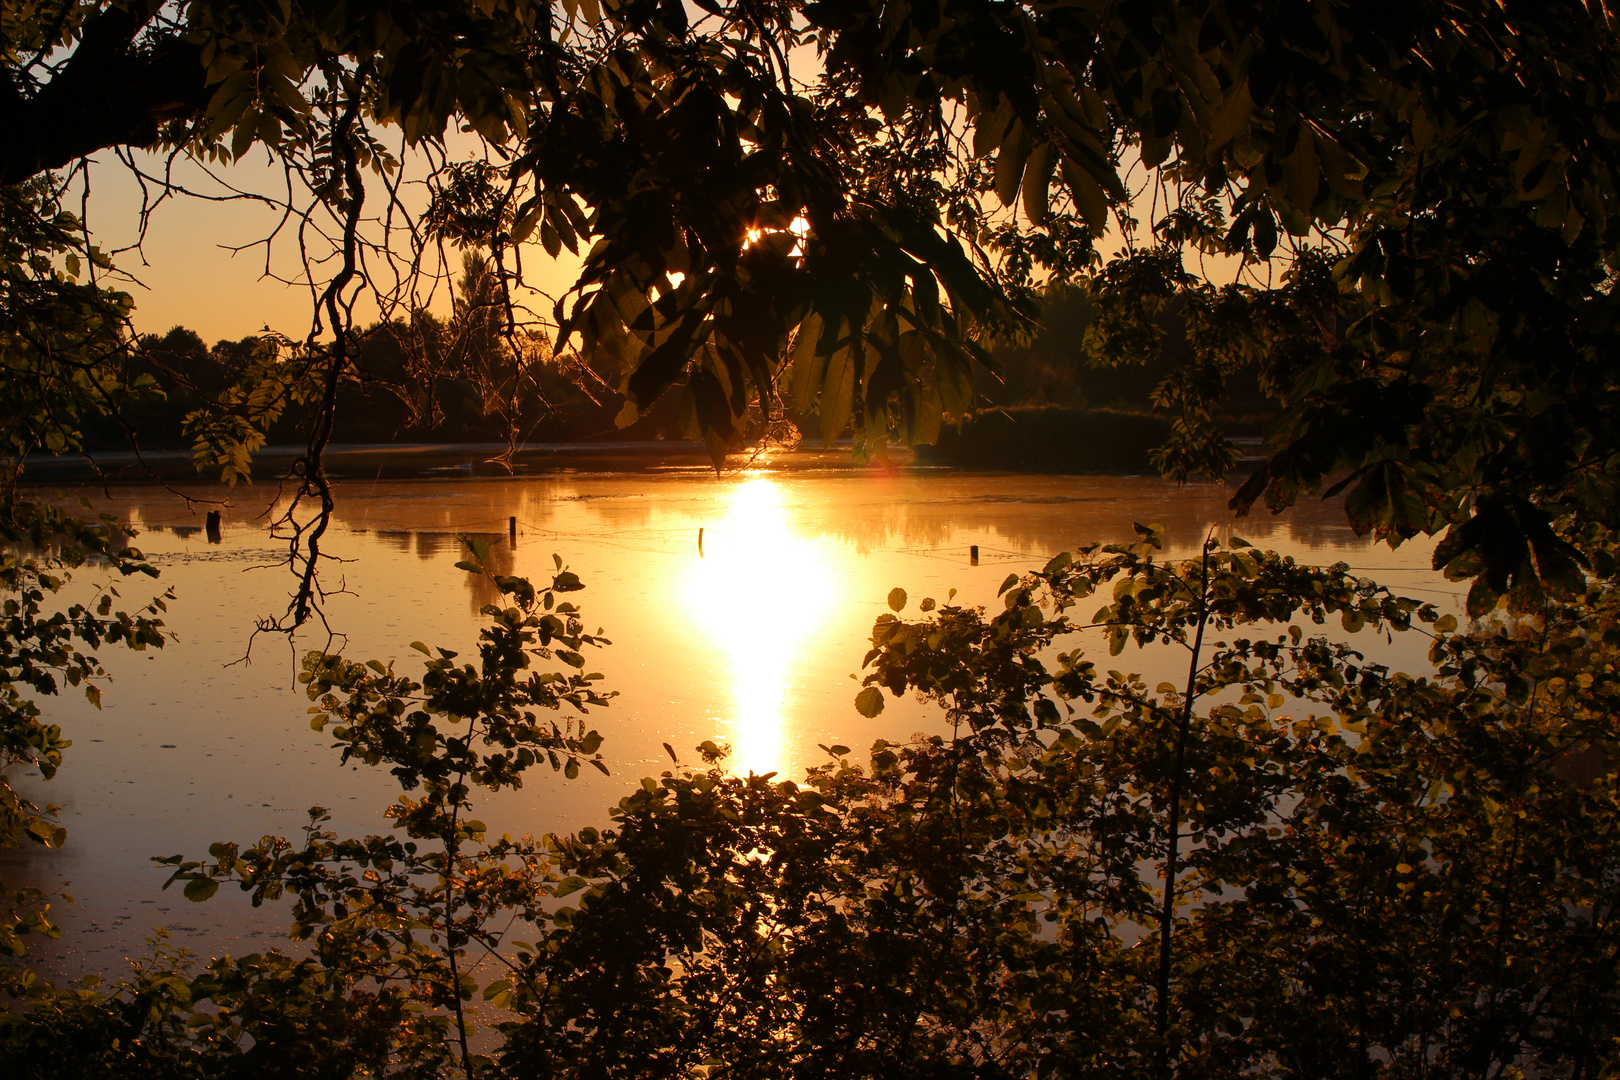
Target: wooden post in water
[(213, 527), (973, 555), (700, 541), (511, 529)]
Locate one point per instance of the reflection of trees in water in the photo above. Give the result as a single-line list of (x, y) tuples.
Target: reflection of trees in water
[(432, 545), (450, 546), (397, 539), (502, 560), (1009, 515), (620, 513), (1036, 522), (453, 508), (424, 545), (1330, 530)]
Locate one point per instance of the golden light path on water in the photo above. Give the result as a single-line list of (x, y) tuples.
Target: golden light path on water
[(760, 593)]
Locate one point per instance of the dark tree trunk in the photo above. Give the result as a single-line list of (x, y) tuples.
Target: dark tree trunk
[(110, 92)]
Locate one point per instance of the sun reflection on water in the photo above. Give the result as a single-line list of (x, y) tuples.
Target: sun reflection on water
[(760, 592)]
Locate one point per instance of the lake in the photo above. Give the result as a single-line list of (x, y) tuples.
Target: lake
[(750, 641)]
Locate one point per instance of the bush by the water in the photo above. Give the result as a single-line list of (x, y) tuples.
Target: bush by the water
[(1050, 439)]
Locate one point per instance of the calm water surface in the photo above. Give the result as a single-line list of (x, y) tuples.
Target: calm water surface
[(751, 641)]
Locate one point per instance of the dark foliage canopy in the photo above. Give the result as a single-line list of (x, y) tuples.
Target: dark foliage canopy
[(1421, 193)]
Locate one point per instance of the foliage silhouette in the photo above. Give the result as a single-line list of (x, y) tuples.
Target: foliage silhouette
[(1297, 862)]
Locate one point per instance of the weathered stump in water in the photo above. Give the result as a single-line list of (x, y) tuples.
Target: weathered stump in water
[(213, 527)]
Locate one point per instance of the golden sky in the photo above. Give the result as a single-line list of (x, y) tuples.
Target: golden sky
[(203, 264), (186, 271)]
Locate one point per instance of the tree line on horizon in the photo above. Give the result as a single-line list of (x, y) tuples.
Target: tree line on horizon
[(454, 380), (460, 378)]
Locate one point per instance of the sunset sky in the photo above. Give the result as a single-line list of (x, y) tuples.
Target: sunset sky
[(186, 272)]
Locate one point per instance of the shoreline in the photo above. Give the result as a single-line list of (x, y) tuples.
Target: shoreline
[(427, 461)]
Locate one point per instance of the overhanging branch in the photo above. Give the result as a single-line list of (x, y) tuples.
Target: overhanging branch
[(110, 92)]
